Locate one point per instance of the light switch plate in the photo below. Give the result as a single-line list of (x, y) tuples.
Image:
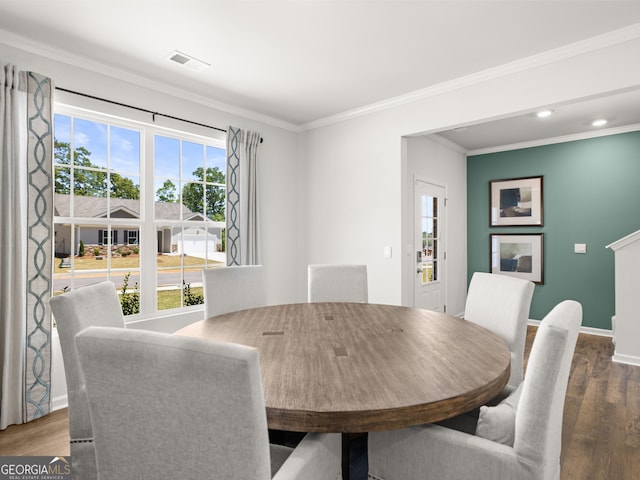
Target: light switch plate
[(580, 248)]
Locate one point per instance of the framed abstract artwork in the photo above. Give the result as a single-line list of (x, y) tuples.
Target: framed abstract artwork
[(517, 255), (516, 202)]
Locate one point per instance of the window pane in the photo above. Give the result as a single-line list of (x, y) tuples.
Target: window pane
[(90, 143), (62, 128), (126, 186), (169, 268), (125, 150), (193, 201), (128, 286), (192, 292), (196, 246), (192, 161), (217, 159), (166, 191), (89, 183), (216, 246), (216, 196), (63, 186), (167, 157)]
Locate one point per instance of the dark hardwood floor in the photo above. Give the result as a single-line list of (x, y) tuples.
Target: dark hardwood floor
[(601, 429)]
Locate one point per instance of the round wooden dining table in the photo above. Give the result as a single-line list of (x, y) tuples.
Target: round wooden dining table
[(354, 368)]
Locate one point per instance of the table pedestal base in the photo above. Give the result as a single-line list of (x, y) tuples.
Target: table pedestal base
[(355, 456)]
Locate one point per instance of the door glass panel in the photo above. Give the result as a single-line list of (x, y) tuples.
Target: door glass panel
[(429, 221)]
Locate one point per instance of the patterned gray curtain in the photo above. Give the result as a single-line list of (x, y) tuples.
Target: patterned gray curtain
[(26, 230), (242, 242)]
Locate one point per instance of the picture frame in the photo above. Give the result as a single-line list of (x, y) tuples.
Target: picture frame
[(516, 202), (518, 255)]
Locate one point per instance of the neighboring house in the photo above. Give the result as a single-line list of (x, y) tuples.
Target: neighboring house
[(168, 235)]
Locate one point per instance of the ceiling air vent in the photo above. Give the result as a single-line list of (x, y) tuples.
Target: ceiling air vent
[(188, 61)]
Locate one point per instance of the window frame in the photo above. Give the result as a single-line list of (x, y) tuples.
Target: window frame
[(147, 225)]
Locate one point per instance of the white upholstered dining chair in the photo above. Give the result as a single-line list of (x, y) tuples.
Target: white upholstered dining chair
[(166, 407), (501, 304), (229, 289), (338, 283), (520, 438), (74, 311)]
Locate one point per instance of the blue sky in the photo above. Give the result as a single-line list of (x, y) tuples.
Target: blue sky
[(119, 149)]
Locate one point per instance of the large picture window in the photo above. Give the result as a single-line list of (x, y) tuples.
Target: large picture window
[(139, 205)]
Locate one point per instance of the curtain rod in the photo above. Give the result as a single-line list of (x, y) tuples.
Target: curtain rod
[(153, 114)]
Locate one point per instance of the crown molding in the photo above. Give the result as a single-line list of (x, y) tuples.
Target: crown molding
[(19, 42), (553, 140), (598, 42), (446, 143)]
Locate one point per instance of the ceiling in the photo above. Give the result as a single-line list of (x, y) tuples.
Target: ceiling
[(300, 62), (620, 109)]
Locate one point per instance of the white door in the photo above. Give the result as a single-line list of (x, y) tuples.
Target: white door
[(429, 285)]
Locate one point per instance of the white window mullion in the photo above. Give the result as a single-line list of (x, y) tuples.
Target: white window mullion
[(148, 237)]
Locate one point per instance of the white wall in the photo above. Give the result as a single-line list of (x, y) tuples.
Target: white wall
[(353, 187), (437, 162), (356, 173)]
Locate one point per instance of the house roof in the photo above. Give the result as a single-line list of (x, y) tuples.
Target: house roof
[(96, 207)]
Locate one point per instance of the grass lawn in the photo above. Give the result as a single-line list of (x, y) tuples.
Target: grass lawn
[(168, 299)]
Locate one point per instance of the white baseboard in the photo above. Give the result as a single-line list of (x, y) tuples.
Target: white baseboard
[(588, 330), (628, 359), (59, 402)]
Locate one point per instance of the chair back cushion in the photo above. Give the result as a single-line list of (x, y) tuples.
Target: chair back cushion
[(167, 407), (501, 303), (538, 427), (74, 311), (229, 289), (338, 283)]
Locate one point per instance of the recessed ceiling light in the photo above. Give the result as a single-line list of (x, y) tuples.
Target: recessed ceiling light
[(600, 122), (188, 61), (544, 113)]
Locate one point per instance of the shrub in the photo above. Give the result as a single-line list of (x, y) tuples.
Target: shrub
[(81, 249), (191, 298), (130, 301)]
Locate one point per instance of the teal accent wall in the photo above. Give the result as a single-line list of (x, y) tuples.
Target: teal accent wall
[(591, 195)]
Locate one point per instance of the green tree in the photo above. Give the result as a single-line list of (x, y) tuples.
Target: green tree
[(89, 180), (167, 192), (193, 196), (123, 187), (85, 182)]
